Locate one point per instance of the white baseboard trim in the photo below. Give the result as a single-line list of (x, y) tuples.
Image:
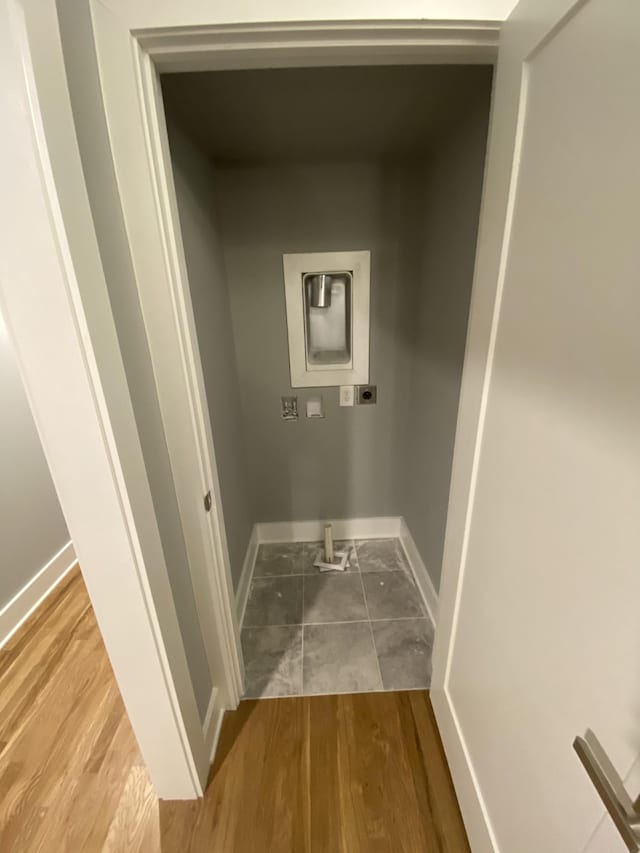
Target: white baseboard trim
[(214, 733), (343, 528), (22, 605), (420, 572), (242, 592), (472, 806), (212, 723)]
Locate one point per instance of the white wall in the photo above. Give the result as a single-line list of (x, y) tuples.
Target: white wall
[(195, 192), (32, 528)]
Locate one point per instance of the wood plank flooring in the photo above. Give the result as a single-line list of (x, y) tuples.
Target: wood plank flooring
[(322, 774)]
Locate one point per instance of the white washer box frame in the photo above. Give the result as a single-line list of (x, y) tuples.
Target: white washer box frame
[(295, 266)]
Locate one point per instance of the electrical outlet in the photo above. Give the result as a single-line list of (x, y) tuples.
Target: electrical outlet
[(347, 395), (367, 394)]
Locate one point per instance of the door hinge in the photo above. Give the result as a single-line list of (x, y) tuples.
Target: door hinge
[(208, 503)]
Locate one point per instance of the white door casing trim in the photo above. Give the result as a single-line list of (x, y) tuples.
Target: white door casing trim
[(205, 535), (285, 44)]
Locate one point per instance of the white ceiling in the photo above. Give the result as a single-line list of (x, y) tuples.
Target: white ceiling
[(322, 113)]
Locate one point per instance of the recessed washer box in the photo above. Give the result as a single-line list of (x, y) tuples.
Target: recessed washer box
[(327, 299)]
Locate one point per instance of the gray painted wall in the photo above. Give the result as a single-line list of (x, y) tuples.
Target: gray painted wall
[(195, 191), (32, 528), (342, 466), (332, 114), (441, 227), (419, 220), (95, 151)]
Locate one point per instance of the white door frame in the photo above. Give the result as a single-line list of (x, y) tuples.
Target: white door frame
[(134, 45)]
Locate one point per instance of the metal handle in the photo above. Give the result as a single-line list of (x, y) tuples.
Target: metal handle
[(609, 785)]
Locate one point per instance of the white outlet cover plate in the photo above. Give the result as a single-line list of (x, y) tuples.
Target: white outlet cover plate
[(347, 395), (314, 407)]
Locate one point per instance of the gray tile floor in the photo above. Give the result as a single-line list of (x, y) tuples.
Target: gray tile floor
[(307, 632)]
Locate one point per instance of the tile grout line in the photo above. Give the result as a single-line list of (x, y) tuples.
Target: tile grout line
[(343, 622), (373, 639), (303, 624)]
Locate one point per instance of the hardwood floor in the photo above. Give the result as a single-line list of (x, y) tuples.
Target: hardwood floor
[(322, 774), (343, 774), (68, 759)]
